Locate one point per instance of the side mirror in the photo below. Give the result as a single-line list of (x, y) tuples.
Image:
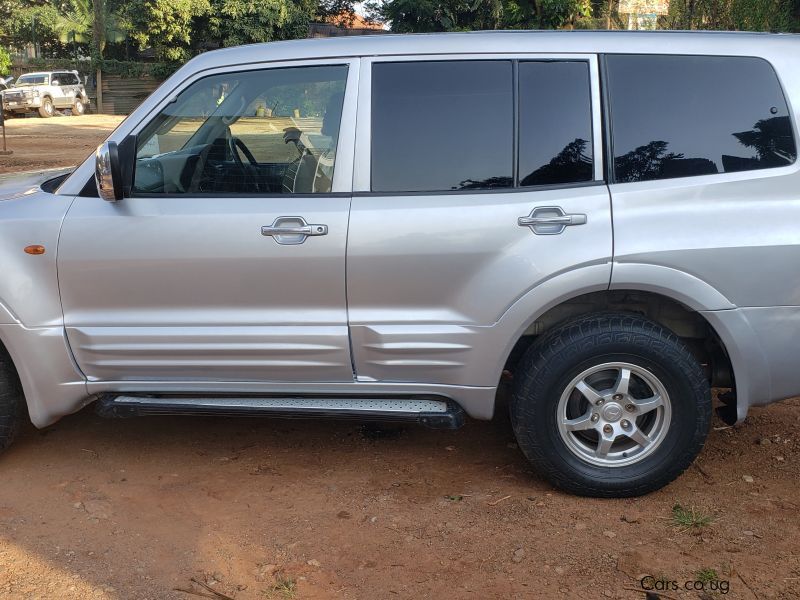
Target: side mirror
[(55, 82), (107, 172)]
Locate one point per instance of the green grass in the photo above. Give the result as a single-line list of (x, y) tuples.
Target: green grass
[(690, 518), (707, 575), (284, 588)]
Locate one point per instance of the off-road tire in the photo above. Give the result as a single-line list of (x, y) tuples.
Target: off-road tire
[(78, 108), (47, 110), (549, 365), (11, 401)]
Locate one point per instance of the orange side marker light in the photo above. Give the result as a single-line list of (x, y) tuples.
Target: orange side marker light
[(35, 249)]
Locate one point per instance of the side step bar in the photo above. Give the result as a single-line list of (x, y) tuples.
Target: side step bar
[(431, 412)]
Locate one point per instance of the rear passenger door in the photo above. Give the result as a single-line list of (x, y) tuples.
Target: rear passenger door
[(60, 90), (705, 179), (475, 180)]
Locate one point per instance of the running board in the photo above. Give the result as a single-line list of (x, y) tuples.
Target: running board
[(432, 413)]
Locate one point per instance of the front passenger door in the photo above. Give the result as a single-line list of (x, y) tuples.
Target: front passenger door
[(224, 264)]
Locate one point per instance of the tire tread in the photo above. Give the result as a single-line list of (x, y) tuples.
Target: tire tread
[(594, 331)]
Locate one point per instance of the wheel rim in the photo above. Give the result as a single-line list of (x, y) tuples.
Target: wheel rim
[(48, 107), (614, 414), (79, 107)]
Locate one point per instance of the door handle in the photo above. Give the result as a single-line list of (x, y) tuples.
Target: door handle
[(550, 220), (290, 231)]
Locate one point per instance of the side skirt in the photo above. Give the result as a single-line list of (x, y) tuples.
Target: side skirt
[(432, 412)]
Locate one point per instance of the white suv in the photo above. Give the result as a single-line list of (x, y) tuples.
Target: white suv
[(46, 92)]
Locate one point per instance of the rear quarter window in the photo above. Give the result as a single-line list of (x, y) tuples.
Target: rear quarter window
[(682, 116)]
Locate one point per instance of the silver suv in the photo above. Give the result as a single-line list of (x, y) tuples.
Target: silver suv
[(45, 93), (386, 227)]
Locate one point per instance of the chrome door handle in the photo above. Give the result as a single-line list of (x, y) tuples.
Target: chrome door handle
[(550, 220), (299, 230), (291, 231)]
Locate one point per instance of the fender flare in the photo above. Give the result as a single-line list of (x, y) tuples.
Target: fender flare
[(7, 316), (747, 357)]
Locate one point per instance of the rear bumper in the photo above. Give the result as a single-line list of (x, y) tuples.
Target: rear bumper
[(762, 345)]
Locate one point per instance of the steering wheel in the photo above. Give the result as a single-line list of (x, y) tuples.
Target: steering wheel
[(235, 144)]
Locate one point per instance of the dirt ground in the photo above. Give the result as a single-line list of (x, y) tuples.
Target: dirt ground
[(269, 509), (56, 142)]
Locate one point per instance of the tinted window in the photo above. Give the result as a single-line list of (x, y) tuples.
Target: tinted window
[(555, 123), (256, 132), (678, 116), (33, 80), (442, 125)]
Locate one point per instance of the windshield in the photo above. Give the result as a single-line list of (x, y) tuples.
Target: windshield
[(33, 80)]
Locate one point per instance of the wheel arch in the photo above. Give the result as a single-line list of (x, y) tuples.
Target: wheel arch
[(696, 311)]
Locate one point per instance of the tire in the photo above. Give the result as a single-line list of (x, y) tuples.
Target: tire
[(47, 110), (11, 401), (560, 432), (78, 108)]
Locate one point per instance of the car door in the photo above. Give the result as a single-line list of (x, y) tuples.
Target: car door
[(226, 263), (476, 181), (59, 84)]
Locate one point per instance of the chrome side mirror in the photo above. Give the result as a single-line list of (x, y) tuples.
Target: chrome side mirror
[(107, 172)]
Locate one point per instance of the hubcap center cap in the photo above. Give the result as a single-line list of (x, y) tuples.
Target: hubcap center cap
[(612, 412)]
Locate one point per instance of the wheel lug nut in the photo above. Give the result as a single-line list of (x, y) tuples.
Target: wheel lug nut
[(630, 407), (599, 402), (625, 424), (617, 397), (595, 418), (607, 429)]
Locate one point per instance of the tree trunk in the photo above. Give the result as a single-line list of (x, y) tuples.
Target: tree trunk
[(99, 27), (608, 16)]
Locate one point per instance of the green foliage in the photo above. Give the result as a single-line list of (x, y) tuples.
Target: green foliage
[(707, 575), (411, 16), (30, 21), (178, 29), (234, 22), (135, 69), (165, 25), (5, 61), (464, 15), (690, 518), (734, 15), (556, 14)]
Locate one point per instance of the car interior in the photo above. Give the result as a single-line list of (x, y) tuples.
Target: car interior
[(257, 132)]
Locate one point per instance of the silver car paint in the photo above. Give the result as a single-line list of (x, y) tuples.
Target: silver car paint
[(428, 337)]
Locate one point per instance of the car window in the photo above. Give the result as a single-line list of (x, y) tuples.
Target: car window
[(33, 80), (442, 125), (261, 132), (555, 123), (680, 116)]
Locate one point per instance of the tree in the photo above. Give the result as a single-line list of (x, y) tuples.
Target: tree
[(165, 25), (734, 15), (408, 16), (233, 22), (32, 22), (5, 61)]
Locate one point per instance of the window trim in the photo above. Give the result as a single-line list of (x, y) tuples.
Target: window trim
[(345, 147), (362, 172), (608, 130)]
